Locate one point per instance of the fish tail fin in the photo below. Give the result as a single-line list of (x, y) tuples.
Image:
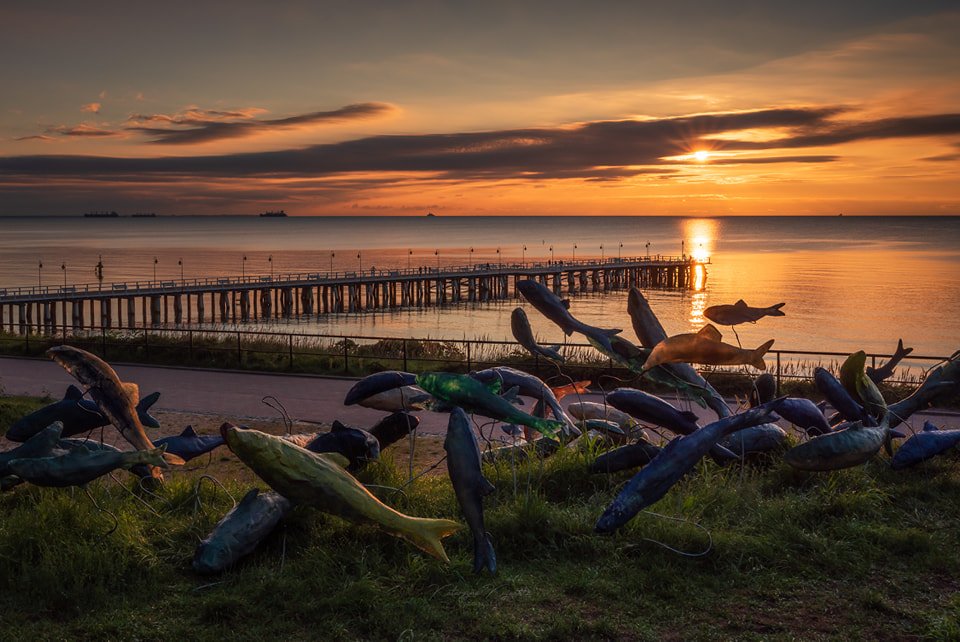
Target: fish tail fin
[(756, 358), (550, 427), (426, 533), (484, 557), (775, 311), (612, 333), (153, 457)]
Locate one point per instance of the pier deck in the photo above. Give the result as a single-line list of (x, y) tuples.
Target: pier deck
[(47, 309)]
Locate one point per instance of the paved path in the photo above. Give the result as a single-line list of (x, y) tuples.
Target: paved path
[(236, 394)]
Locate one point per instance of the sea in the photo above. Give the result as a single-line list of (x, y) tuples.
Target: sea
[(848, 282)]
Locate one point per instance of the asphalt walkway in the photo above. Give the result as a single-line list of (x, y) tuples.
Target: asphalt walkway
[(238, 394)]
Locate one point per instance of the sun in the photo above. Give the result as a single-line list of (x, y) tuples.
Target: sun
[(701, 155)]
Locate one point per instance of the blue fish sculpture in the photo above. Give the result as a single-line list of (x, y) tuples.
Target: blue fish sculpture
[(756, 439), (928, 443), (657, 411), (78, 416), (839, 398), (39, 445), (357, 445), (805, 414), (679, 456), (558, 310), (625, 457), (189, 444)]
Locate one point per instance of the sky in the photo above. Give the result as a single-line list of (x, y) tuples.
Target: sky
[(496, 108)]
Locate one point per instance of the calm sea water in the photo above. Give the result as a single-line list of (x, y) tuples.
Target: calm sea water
[(848, 282)]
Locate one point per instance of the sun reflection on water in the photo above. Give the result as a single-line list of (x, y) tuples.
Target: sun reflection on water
[(699, 236), (698, 303)]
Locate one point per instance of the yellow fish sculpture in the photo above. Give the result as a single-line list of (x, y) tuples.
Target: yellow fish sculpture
[(320, 480), (705, 347)]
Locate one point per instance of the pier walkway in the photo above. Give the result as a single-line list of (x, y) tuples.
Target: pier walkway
[(48, 309)]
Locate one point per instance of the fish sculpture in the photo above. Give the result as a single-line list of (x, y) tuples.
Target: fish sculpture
[(764, 389), (77, 415), (558, 310), (843, 448), (115, 399), (357, 445), (607, 429), (240, 531), (523, 333), (756, 439), (885, 371), (529, 386), (188, 444), (39, 445), (469, 485), (650, 332), (471, 395), (929, 442), (941, 380), (585, 410), (804, 414), (402, 399), (377, 383), (839, 398), (626, 457), (855, 381), (655, 410), (707, 348), (89, 444), (673, 462), (321, 480), (393, 428), (81, 465), (740, 312)]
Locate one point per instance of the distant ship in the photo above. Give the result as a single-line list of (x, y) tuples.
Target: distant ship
[(430, 214), (276, 214), (145, 215), (101, 215)]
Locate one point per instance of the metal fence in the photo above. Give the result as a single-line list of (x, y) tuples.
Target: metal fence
[(273, 351)]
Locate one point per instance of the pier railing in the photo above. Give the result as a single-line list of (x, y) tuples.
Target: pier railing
[(484, 268), (358, 355)]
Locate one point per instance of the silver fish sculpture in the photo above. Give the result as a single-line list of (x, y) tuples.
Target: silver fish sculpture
[(523, 333), (81, 466), (740, 312), (469, 485)]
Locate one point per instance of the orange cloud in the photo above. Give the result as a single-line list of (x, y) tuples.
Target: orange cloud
[(91, 108)]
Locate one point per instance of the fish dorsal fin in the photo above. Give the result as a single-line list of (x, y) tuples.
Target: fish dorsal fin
[(929, 427), (73, 393), (188, 432), (249, 497), (565, 303), (132, 390), (334, 458), (485, 486), (740, 304), (710, 332), (336, 426)]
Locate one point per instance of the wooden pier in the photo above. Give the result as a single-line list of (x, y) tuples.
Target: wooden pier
[(50, 310)]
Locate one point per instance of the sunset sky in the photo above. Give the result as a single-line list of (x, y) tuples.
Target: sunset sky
[(686, 107)]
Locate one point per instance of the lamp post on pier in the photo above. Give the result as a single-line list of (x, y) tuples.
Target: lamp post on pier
[(409, 256), (437, 254), (524, 256), (243, 267), (619, 250), (648, 250), (683, 251), (63, 266), (574, 252), (360, 261), (155, 261), (331, 262), (270, 261), (499, 259), (551, 254), (601, 252), (471, 258), (180, 263), (39, 274)]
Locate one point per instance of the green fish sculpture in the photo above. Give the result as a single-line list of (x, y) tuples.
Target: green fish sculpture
[(321, 480), (471, 395), (861, 387), (851, 446), (81, 465)]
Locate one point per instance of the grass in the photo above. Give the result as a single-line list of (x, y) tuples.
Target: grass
[(865, 553)]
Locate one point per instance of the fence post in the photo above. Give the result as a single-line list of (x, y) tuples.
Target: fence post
[(26, 343), (239, 353), (346, 369), (190, 345), (469, 367), (103, 342), (146, 343), (404, 344), (778, 372), (290, 349)]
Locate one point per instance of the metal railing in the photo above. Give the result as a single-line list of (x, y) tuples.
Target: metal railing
[(296, 278), (319, 353)]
